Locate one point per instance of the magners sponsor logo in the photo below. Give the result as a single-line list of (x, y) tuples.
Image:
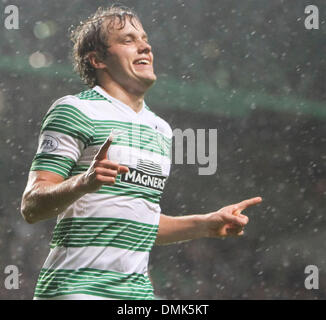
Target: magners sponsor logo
[(138, 177)]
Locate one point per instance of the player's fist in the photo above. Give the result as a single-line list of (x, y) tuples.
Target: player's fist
[(102, 171)]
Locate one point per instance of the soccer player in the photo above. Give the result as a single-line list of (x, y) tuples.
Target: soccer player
[(100, 168)]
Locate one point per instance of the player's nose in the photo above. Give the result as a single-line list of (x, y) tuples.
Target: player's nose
[(144, 47)]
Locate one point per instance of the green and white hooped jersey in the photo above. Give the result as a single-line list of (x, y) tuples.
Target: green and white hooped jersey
[(101, 243)]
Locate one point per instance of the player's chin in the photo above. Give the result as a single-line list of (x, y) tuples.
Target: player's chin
[(147, 74), (149, 78), (147, 82)]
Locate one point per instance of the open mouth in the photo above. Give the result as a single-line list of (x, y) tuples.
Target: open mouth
[(142, 62)]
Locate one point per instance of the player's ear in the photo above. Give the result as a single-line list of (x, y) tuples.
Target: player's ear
[(95, 61)]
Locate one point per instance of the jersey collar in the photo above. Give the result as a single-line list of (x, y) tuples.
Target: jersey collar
[(117, 102)]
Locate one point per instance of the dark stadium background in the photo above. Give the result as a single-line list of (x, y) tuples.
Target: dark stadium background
[(249, 69)]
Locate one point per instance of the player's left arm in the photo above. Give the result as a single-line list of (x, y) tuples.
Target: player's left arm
[(228, 221)]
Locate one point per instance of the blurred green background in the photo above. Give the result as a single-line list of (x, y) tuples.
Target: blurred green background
[(249, 69)]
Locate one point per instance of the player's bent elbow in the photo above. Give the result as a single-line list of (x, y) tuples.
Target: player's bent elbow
[(29, 219), (28, 216), (26, 210)]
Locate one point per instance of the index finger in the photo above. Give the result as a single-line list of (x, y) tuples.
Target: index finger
[(248, 203), (102, 153)]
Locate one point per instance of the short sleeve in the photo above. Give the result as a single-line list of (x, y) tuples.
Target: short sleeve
[(65, 132)]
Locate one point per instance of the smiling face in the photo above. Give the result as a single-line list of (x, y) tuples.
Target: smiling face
[(129, 60)]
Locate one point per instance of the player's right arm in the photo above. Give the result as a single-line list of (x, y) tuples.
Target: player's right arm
[(48, 194)]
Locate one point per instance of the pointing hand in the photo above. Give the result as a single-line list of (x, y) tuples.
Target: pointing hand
[(102, 171), (229, 221)]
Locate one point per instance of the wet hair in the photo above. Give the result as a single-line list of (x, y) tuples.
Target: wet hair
[(93, 35)]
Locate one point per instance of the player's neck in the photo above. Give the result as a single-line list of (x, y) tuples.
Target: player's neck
[(131, 99)]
